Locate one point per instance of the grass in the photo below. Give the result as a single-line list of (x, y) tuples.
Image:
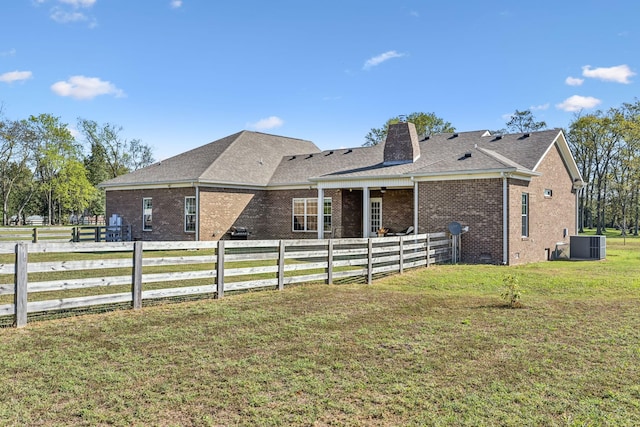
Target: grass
[(434, 346)]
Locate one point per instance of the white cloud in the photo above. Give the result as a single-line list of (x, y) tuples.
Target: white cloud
[(175, 4), (377, 60), (81, 87), (539, 107), (69, 12), (64, 17), (617, 74), (577, 103), (574, 81), (10, 52), (79, 3), (268, 123), (14, 76)]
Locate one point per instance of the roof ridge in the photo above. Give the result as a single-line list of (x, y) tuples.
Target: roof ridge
[(500, 158), (274, 135), (236, 137)]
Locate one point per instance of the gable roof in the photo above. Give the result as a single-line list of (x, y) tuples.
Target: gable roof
[(244, 158), (256, 159)]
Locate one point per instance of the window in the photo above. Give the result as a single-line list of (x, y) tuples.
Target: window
[(525, 214), (305, 214), (146, 213), (190, 214), (548, 192), (327, 215)]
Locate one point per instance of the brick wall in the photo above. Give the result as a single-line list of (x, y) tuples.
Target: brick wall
[(351, 213), (267, 214), (548, 216), (397, 208), (476, 203), (222, 208), (278, 221), (167, 212)]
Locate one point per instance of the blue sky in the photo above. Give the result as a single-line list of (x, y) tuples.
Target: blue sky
[(178, 74)]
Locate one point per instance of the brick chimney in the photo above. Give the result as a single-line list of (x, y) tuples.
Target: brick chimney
[(401, 145)]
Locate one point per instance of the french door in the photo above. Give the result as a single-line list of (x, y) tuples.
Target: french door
[(376, 216)]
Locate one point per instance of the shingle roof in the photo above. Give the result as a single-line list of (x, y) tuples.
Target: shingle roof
[(258, 159), (439, 154), (246, 157)]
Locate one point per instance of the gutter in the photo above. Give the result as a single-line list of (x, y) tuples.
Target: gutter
[(505, 219)]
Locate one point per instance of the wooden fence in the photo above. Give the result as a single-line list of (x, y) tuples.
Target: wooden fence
[(46, 277), (58, 234)]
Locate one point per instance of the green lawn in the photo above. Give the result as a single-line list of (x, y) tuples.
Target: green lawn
[(435, 346)]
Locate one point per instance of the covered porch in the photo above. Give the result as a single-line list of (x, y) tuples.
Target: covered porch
[(368, 207)]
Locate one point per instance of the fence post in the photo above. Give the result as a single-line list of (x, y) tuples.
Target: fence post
[(20, 291), (35, 235), (220, 270), (330, 262), (136, 284), (97, 234), (369, 261), (428, 249), (281, 251)]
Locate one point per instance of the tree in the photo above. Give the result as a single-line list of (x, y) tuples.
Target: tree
[(53, 147), (13, 157), (524, 121), (73, 189), (596, 138), (110, 154), (426, 124)]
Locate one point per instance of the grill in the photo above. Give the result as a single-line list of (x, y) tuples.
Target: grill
[(239, 233)]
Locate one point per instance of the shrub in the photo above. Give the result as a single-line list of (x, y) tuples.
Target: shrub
[(511, 292)]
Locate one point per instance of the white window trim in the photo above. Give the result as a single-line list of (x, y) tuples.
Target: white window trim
[(306, 215), (525, 215), (186, 214), (144, 214)]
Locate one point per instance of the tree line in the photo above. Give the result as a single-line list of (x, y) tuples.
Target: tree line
[(606, 148), (46, 171)]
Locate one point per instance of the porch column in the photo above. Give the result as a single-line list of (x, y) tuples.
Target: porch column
[(320, 213), (366, 211), (415, 208)]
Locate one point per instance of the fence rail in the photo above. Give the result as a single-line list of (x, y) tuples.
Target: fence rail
[(85, 233), (43, 277)]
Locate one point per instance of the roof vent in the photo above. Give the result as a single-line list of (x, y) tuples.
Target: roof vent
[(465, 156), (526, 135), (309, 156), (329, 153), (292, 158), (348, 151), (497, 137)]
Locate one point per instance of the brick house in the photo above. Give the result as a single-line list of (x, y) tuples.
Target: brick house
[(517, 193)]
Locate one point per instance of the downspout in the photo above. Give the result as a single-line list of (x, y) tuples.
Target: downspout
[(415, 206), (197, 213), (577, 227), (505, 220)]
